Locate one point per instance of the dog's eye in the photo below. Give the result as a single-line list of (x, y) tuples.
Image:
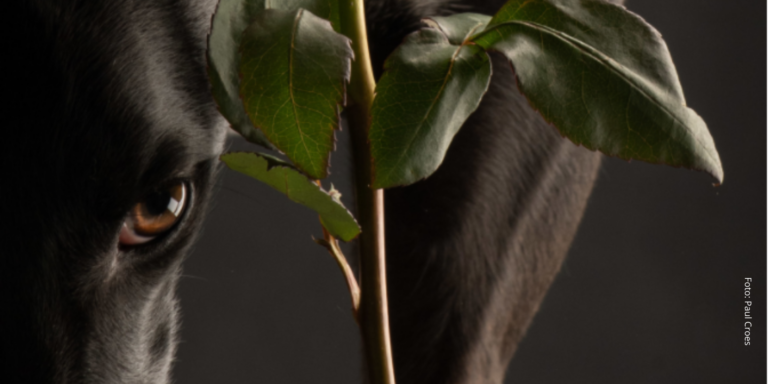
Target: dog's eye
[(155, 214)]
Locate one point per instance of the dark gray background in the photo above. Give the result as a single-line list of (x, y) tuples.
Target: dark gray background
[(652, 290)]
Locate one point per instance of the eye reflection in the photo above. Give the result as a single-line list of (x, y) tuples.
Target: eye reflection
[(155, 214)]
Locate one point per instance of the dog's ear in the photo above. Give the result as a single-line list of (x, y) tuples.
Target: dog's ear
[(472, 249)]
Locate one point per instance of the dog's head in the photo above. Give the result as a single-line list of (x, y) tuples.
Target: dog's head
[(107, 121)]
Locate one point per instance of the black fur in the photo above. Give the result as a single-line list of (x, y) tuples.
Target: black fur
[(106, 100), (473, 249)]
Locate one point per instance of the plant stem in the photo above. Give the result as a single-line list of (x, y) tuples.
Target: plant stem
[(374, 316), (332, 245)]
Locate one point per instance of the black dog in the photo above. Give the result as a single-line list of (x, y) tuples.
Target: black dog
[(109, 121)]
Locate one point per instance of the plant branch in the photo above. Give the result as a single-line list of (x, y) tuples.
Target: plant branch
[(374, 316), (332, 245)]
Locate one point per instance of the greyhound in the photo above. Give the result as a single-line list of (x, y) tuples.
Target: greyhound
[(110, 155)]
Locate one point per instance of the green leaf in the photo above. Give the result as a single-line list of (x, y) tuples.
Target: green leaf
[(458, 27), (229, 22), (294, 70), (431, 84), (604, 78), (288, 180), (232, 17), (325, 9)]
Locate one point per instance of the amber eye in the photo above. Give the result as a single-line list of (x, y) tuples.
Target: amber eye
[(155, 214)]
